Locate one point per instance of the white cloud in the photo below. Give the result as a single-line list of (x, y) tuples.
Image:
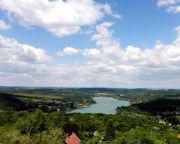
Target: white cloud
[(174, 9), (177, 29), (149, 65), (118, 16), (68, 51), (160, 55), (171, 5), (167, 2), (108, 10), (59, 17), (107, 65), (4, 26), (20, 58), (92, 53), (103, 38), (113, 65)]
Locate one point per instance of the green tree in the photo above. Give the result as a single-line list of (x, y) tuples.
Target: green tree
[(70, 127), (110, 130), (38, 122)]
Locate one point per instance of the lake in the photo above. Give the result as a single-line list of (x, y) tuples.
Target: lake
[(106, 105)]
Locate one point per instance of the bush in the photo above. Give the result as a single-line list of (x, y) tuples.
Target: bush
[(23, 126), (35, 123)]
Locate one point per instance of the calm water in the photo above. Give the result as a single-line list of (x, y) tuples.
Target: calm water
[(105, 105)]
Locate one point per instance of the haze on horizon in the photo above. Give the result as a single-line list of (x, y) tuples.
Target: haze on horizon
[(90, 43)]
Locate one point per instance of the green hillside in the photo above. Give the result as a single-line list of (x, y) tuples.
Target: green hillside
[(11, 102)]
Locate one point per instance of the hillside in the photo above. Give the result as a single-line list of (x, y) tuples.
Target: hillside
[(11, 102)]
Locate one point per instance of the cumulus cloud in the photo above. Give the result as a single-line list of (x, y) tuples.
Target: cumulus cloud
[(171, 5), (111, 65), (107, 65), (4, 26), (20, 58), (151, 64), (104, 39), (108, 10), (174, 9), (159, 55), (59, 17), (92, 53), (68, 51)]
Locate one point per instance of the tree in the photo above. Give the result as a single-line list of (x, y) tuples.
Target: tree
[(70, 127), (110, 130), (34, 123), (38, 122)]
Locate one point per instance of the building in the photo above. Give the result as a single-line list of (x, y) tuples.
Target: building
[(72, 139)]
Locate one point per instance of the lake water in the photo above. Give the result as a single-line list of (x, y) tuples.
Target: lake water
[(105, 105)]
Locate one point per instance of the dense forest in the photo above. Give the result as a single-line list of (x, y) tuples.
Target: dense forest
[(152, 118)]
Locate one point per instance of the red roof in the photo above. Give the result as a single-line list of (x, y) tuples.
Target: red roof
[(72, 139), (178, 136)]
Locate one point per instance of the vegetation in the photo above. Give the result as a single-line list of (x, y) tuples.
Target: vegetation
[(154, 120), (126, 127), (46, 100), (110, 130)]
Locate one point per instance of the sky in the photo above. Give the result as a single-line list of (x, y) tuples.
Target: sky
[(90, 43)]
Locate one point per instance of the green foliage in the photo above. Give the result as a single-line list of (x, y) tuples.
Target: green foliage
[(123, 128), (16, 141), (36, 123), (23, 126), (56, 120), (7, 118), (70, 127), (110, 130)]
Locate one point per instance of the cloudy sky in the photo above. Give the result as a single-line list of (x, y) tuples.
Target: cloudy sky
[(90, 43)]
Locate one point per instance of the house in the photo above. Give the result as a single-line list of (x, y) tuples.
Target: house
[(72, 139), (178, 136)]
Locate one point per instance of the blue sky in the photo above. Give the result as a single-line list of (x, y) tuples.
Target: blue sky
[(102, 43), (142, 24)]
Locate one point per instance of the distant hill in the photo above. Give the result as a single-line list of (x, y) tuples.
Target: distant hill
[(11, 102), (162, 106), (88, 89)]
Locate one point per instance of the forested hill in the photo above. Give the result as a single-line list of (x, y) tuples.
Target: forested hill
[(11, 102), (48, 100)]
